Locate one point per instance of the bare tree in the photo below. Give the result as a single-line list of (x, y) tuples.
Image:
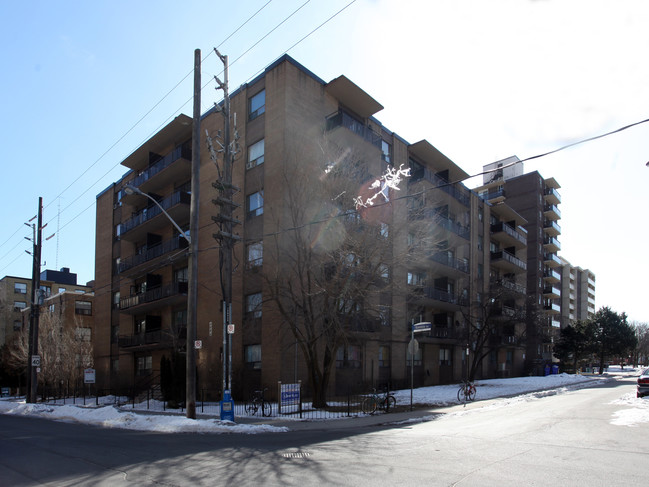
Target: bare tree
[(332, 253), (491, 324)]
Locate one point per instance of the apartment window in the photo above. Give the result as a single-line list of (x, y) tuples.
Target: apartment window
[(385, 315), (20, 288), (46, 291), (384, 272), (444, 356), (254, 255), (114, 365), (83, 334), (417, 358), (416, 278), (181, 275), (62, 290), (19, 305), (17, 325), (256, 204), (384, 356), (385, 230), (386, 149), (253, 305), (83, 308), (257, 105), (255, 154), (348, 357), (144, 365), (252, 355)]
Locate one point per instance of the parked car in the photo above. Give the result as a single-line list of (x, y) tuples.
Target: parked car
[(643, 384)]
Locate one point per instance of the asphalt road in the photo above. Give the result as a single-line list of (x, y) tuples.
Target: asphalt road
[(564, 439)]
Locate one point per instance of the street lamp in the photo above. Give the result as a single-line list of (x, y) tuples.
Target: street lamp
[(128, 189), (190, 392)]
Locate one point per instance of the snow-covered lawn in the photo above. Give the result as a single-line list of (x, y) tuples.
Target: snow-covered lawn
[(635, 410)]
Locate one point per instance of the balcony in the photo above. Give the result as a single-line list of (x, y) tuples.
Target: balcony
[(507, 262), (170, 294), (493, 196), (552, 228), (551, 276), (551, 244), (552, 196), (551, 260), (508, 235), (439, 298), (454, 226), (152, 253), (449, 260), (551, 292), (456, 190), (151, 218), (551, 308), (343, 119), (509, 285), (151, 339), (551, 212)]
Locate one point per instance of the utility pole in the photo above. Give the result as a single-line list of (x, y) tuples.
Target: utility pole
[(226, 222), (192, 289), (33, 357)]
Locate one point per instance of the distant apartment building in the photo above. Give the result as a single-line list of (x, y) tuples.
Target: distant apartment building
[(577, 294), (445, 255), (536, 198), (15, 296)]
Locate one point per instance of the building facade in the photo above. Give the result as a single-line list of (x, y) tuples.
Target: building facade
[(577, 294), (16, 295), (442, 254)]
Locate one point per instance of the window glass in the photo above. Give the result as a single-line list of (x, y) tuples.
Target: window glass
[(254, 254), (253, 305), (83, 308), (255, 154), (256, 204), (20, 288), (384, 356), (257, 105), (18, 305), (252, 355)]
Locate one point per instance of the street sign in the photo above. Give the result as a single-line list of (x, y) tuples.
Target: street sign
[(89, 376), (198, 344), (231, 329), (36, 360), (422, 326)]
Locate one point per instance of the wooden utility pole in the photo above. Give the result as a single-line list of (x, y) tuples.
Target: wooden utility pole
[(192, 291), (33, 357), (226, 222)]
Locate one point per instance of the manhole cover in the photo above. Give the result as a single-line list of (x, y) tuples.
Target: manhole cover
[(297, 454)]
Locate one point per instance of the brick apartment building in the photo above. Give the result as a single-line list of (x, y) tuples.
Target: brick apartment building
[(474, 264)]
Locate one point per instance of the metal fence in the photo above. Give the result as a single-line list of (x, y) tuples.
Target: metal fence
[(346, 406)]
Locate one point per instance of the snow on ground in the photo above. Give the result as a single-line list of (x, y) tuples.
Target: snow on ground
[(521, 388)]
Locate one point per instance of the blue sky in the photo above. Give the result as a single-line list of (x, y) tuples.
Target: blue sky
[(85, 83)]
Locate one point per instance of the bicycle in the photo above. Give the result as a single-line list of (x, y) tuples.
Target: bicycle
[(378, 401), (257, 402), (466, 391)]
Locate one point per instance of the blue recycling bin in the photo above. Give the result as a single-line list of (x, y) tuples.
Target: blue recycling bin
[(227, 407), (555, 369), (547, 370)]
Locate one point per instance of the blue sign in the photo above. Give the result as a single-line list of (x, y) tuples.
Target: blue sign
[(423, 326)]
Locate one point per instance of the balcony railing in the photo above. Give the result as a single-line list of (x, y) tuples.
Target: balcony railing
[(456, 190), (151, 212), (155, 294), (181, 152), (504, 227), (455, 227), (552, 226), (448, 260), (343, 119), (552, 195), (152, 253), (510, 285), (444, 296), (501, 254), (492, 195)]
